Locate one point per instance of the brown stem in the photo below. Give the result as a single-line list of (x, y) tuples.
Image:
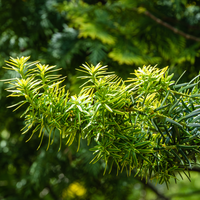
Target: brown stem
[(154, 189), (175, 30), (52, 193), (195, 169)]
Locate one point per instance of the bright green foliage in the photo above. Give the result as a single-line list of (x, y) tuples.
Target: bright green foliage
[(150, 125)]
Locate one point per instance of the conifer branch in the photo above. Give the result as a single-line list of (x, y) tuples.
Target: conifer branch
[(150, 124)]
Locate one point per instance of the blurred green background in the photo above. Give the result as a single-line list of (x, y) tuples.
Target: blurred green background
[(123, 34)]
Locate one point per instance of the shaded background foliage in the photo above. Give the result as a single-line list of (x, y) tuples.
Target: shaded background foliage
[(119, 33)]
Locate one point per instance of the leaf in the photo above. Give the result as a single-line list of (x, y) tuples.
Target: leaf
[(145, 151), (183, 154), (187, 146), (173, 122), (70, 108), (142, 144), (194, 78), (195, 95), (79, 107), (176, 155), (97, 108), (187, 87), (184, 104), (193, 125), (21, 102), (118, 112), (180, 77), (165, 99), (189, 116), (109, 135), (180, 85), (108, 108), (97, 157), (144, 158), (196, 118), (113, 149), (172, 108), (135, 161)]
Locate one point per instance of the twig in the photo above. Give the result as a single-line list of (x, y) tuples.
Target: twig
[(175, 30), (52, 193), (195, 169), (153, 188)]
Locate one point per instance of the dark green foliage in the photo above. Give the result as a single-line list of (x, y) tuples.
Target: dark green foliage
[(131, 36), (115, 32)]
